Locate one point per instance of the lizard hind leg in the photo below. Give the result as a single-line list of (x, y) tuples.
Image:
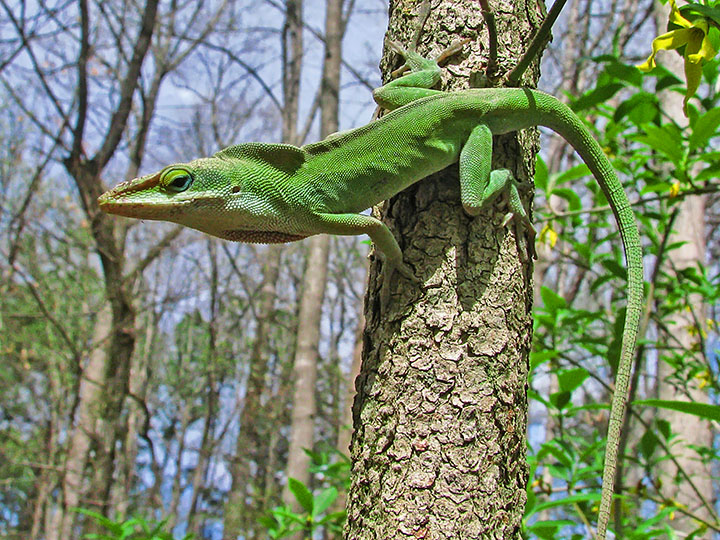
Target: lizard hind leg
[(480, 186)]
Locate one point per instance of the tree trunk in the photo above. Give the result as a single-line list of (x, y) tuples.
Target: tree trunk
[(139, 372), (346, 417), (691, 430), (119, 330), (305, 365), (251, 443), (315, 279), (441, 412), (240, 517), (89, 399), (185, 417)]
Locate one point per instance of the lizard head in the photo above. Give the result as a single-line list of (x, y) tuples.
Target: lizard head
[(194, 194), (234, 194)]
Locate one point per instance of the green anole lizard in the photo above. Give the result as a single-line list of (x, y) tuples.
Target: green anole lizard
[(270, 193)]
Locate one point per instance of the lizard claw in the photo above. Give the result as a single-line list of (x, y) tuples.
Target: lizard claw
[(404, 270)]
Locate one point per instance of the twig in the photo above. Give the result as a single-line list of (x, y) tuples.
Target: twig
[(489, 16), (537, 43)]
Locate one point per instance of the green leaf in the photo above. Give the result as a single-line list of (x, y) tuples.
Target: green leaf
[(548, 529), (703, 410), (708, 173), (551, 300), (665, 140), (302, 494), (658, 187), (570, 379), (598, 95), (112, 526), (571, 196), (702, 11), (572, 174), (565, 501), (334, 516), (555, 449), (324, 500), (665, 79), (624, 72), (560, 399), (641, 108), (541, 174), (710, 70), (269, 522), (540, 357), (665, 428), (648, 443), (705, 127), (286, 512), (615, 268)]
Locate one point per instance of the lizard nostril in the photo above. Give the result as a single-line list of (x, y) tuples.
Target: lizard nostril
[(235, 189)]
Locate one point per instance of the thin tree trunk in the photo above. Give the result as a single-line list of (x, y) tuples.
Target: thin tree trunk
[(305, 366), (90, 392), (251, 443), (691, 430), (315, 279), (139, 372), (120, 329), (185, 419), (204, 452), (240, 517), (345, 428), (207, 445), (45, 484), (440, 416)]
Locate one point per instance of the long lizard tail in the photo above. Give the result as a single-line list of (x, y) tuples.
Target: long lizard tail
[(562, 120)]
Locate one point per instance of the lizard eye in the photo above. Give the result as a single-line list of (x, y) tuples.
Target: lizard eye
[(176, 180)]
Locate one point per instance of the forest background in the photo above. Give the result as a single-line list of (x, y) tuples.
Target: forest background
[(152, 378)]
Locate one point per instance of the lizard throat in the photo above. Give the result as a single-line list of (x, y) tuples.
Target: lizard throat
[(260, 237)]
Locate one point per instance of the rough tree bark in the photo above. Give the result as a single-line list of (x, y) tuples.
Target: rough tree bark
[(441, 412)]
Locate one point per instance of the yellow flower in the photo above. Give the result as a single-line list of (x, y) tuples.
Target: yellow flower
[(698, 49), (548, 235)]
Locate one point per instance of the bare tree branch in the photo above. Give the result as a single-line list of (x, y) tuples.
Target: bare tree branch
[(82, 91), (253, 72), (152, 254), (119, 118), (35, 64)]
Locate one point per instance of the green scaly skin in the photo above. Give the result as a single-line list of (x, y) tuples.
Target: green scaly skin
[(270, 193)]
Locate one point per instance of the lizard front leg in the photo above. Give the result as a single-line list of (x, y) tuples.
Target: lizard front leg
[(356, 224)]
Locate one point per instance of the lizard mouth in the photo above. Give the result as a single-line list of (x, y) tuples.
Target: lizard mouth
[(119, 200), (140, 210)]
